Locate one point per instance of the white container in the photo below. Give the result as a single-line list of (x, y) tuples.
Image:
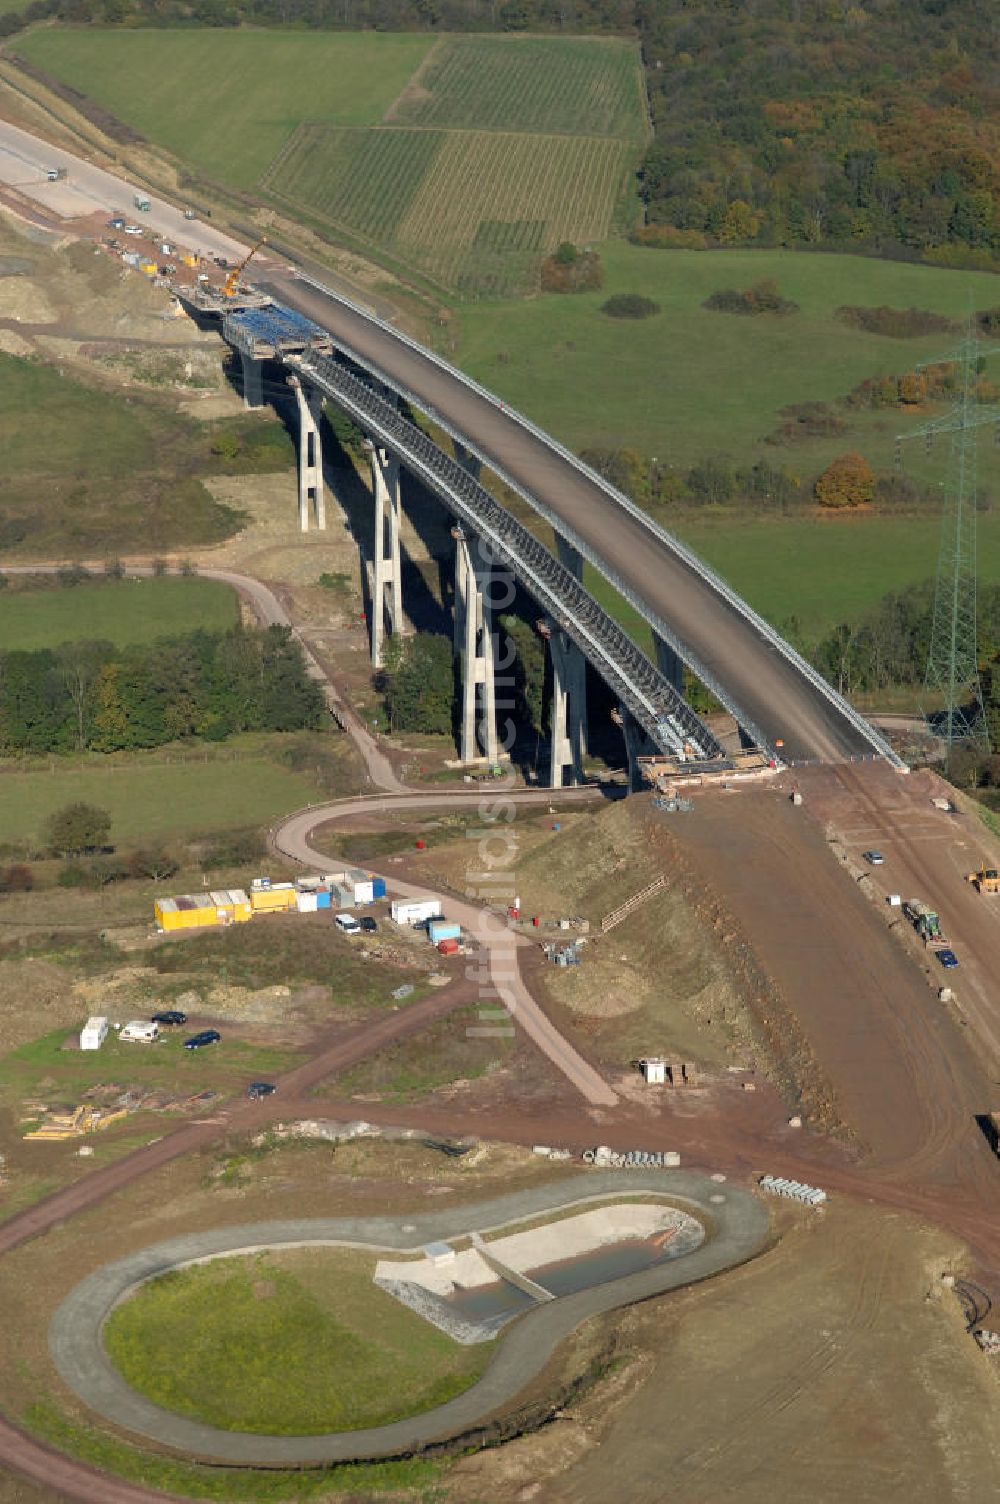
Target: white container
[(306, 903), (416, 910), (93, 1034), (363, 889)]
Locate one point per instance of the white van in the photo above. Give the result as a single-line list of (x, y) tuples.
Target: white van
[(347, 924), (140, 1031)]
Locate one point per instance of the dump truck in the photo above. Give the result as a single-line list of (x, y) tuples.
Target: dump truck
[(986, 880), (925, 921)]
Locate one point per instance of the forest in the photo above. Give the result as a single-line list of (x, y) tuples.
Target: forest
[(864, 124), (92, 696)]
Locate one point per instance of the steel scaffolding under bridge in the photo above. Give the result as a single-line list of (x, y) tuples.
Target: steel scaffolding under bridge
[(271, 332), (642, 690)]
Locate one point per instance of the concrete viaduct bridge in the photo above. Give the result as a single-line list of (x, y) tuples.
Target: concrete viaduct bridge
[(332, 349)]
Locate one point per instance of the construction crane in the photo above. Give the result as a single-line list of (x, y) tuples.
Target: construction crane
[(232, 281)]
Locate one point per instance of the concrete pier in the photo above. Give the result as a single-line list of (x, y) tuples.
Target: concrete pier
[(474, 643), (387, 601), (312, 494), (253, 381), (569, 709)]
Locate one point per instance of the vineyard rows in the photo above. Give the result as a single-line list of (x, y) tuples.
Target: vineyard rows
[(582, 87), (471, 209), (361, 179)]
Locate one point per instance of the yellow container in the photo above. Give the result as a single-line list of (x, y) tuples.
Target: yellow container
[(232, 906), (276, 900), (189, 911)]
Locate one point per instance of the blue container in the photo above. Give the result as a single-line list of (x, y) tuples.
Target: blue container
[(443, 929), (378, 887), (323, 898)]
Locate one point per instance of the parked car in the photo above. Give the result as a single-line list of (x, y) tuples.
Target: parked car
[(170, 1018), (258, 1090), (367, 924), (873, 858), (948, 959), (207, 1036), (347, 924)]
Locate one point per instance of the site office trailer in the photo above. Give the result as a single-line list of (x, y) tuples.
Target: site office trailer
[(198, 910), (415, 910), (276, 898)]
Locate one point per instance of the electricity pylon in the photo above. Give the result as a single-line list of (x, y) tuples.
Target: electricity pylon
[(952, 674)]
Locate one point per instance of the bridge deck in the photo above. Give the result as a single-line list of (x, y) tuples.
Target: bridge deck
[(768, 690)]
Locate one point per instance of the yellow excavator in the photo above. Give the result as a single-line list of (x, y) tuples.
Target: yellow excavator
[(231, 285), (986, 880)]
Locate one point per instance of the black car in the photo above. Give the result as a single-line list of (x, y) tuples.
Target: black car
[(367, 924), (171, 1018), (257, 1090), (207, 1036)]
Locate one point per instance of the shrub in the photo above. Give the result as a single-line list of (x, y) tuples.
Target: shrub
[(151, 861), (629, 305), (72, 876), (76, 828), (160, 567), (896, 323), (336, 581), (848, 481), (18, 878), (669, 238), (762, 298), (581, 272), (234, 848), (989, 321), (73, 574), (114, 569), (806, 420)]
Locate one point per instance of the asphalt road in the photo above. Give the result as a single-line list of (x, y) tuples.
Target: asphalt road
[(89, 189), (740, 1227), (771, 693)]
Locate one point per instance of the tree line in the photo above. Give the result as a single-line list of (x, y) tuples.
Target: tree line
[(887, 646), (93, 696)]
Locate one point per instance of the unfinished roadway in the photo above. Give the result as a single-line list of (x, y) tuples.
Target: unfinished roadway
[(772, 692)]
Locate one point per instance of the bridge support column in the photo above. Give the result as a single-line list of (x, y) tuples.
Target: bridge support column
[(637, 744), (474, 640), (671, 666), (387, 600), (569, 709), (469, 462), (253, 381), (312, 495), (570, 558)]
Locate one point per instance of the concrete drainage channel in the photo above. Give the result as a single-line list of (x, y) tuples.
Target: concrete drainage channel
[(738, 1228)]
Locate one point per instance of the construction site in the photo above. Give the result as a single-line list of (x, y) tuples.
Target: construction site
[(702, 1006)]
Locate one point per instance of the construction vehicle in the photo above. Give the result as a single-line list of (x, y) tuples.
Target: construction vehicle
[(986, 880), (231, 285), (141, 202), (926, 922)]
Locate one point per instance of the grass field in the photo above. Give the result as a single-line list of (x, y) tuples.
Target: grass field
[(118, 611), (466, 160), (225, 101), (152, 798), (289, 1343), (692, 382), (444, 1052), (106, 476), (225, 1067)]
